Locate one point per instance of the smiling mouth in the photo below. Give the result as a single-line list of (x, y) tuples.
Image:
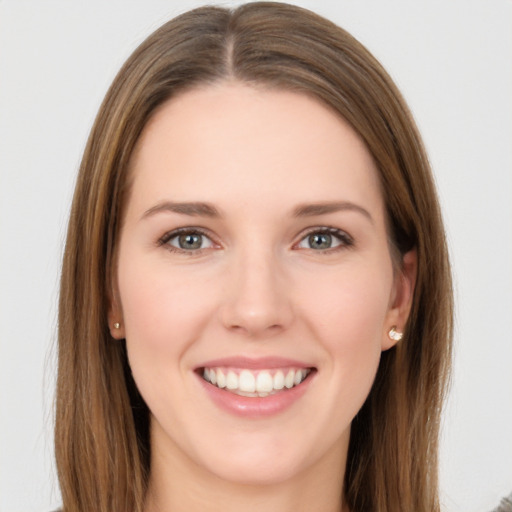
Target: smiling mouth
[(255, 383)]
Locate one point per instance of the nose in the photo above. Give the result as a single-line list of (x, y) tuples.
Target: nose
[(258, 296)]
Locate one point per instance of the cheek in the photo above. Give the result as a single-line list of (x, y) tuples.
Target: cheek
[(348, 315), (163, 311), (164, 315), (348, 305)]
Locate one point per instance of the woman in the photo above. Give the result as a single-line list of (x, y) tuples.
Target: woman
[(255, 303)]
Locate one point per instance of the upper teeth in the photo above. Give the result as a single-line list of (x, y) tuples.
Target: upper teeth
[(257, 383)]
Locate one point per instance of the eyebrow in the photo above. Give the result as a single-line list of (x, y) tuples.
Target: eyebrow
[(194, 209), (311, 210), (200, 209)]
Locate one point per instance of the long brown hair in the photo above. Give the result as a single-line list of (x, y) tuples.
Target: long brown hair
[(101, 436)]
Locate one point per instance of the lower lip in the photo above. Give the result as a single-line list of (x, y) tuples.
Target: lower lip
[(255, 407)]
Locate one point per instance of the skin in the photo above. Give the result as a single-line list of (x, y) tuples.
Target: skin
[(256, 288)]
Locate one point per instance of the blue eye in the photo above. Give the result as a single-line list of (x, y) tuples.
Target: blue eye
[(325, 239), (187, 241)]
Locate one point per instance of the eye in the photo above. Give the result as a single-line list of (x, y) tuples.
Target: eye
[(186, 240), (324, 239)]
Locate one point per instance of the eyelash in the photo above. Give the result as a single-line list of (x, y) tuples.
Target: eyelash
[(344, 239), (164, 241)]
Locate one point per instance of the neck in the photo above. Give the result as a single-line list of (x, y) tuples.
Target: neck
[(177, 484)]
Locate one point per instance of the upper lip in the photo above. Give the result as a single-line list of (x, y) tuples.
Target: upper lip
[(259, 363)]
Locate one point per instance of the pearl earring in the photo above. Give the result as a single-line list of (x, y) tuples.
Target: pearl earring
[(117, 325), (394, 334)]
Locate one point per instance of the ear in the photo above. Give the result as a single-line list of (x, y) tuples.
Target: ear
[(115, 315), (401, 298)]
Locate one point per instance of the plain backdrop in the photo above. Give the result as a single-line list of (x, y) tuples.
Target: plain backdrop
[(453, 62)]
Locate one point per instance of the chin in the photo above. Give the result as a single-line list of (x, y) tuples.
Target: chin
[(258, 457), (265, 471)]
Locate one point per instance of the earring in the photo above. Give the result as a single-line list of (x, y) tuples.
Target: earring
[(394, 334), (117, 325)]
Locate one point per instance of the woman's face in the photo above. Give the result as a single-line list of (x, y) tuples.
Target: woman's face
[(255, 286)]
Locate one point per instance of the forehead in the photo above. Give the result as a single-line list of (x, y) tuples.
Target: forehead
[(232, 138)]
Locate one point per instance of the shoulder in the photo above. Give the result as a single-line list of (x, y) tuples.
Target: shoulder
[(505, 505)]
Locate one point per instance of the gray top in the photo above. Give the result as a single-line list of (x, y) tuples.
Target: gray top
[(505, 505)]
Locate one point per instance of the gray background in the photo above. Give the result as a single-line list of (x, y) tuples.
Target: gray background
[(453, 62)]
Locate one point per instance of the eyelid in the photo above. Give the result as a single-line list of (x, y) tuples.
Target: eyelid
[(346, 241), (169, 235)]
